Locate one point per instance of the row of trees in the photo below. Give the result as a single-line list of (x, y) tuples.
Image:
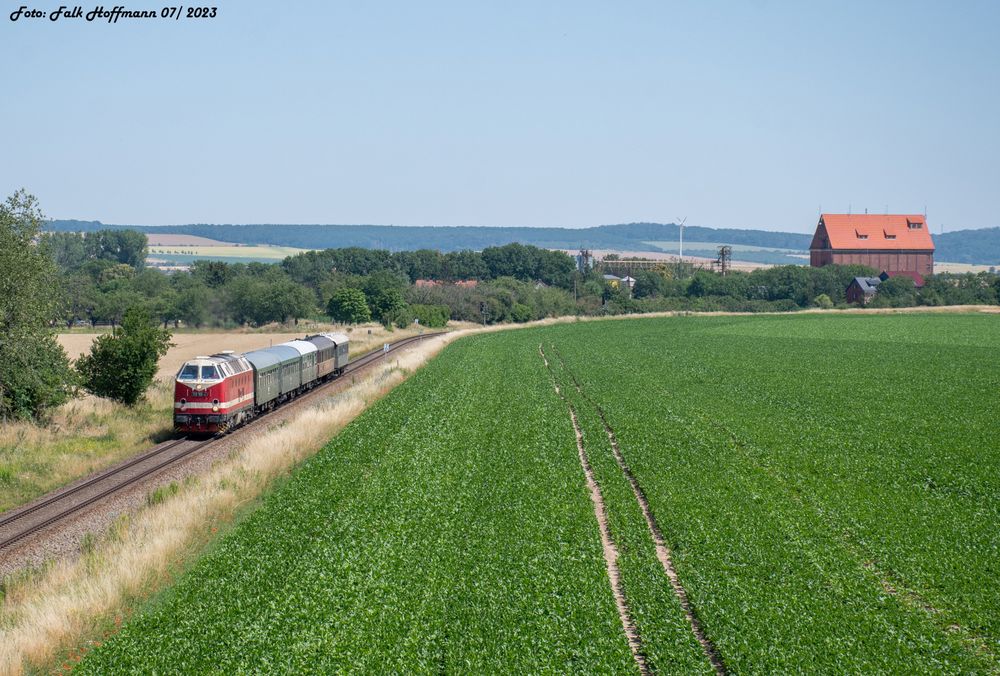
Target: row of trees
[(358, 285), (35, 373), (524, 262)]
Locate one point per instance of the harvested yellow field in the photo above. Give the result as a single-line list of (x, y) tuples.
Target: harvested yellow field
[(226, 251), (962, 268), (190, 345), (172, 240)]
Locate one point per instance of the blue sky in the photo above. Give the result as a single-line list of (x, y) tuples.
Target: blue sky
[(733, 114)]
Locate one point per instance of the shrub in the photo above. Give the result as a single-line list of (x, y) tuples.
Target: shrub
[(431, 316), (122, 365)]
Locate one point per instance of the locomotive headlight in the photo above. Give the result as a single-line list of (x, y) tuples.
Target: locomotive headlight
[(198, 387), (183, 403), (215, 404)]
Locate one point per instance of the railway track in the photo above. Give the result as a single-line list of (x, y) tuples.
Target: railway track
[(60, 505)]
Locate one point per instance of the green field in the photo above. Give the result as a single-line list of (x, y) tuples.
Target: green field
[(827, 487)]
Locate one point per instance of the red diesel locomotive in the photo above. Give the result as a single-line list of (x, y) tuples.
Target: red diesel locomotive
[(212, 394)]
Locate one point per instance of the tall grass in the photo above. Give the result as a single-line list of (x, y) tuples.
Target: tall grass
[(84, 435)]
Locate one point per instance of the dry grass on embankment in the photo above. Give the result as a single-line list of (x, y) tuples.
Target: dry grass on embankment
[(89, 433), (48, 617)]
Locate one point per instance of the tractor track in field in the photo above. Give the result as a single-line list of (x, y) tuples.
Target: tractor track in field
[(607, 543), (660, 545), (55, 525)]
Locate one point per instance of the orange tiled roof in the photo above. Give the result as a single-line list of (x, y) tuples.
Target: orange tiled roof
[(872, 231)]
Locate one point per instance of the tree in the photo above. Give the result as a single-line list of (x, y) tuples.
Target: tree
[(191, 305), (284, 300), (385, 302), (384, 292), (128, 247), (349, 306), (122, 365), (897, 291), (34, 372), (67, 249)]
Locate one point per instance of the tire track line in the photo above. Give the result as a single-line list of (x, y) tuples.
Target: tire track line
[(608, 545), (660, 544)]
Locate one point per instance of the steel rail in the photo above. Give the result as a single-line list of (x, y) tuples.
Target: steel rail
[(60, 494), (114, 488)]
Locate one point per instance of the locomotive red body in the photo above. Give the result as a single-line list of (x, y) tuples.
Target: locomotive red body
[(212, 394)]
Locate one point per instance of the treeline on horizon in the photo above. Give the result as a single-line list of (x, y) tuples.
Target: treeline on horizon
[(103, 274), (980, 247)]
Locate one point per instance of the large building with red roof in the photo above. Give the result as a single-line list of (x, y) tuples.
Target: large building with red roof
[(892, 242)]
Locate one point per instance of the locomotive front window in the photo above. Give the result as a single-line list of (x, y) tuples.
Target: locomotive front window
[(189, 372), (208, 373)]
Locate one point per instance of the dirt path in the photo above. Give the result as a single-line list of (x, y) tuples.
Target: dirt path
[(610, 550), (660, 545), (662, 550)]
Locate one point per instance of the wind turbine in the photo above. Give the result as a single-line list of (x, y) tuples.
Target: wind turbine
[(681, 226)]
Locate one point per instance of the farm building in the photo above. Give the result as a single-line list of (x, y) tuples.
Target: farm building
[(890, 242), (862, 289)]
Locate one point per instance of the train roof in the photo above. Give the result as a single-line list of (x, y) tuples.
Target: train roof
[(303, 347), (272, 356), (321, 342), (337, 338)]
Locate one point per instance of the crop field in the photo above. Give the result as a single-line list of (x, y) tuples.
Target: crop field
[(677, 495)]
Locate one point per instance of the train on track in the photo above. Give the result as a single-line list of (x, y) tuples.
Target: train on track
[(216, 393)]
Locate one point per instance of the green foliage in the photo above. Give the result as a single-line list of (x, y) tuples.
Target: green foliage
[(521, 313), (127, 247), (823, 301), (191, 300), (267, 294), (431, 316), (72, 251), (35, 376), (349, 306), (34, 372), (384, 294), (122, 365)]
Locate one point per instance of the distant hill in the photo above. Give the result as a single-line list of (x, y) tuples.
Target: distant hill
[(980, 247), (963, 246)]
